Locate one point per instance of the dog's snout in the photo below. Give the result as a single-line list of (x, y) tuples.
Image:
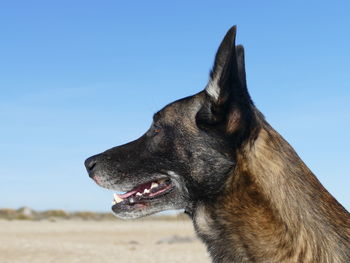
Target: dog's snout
[(90, 163)]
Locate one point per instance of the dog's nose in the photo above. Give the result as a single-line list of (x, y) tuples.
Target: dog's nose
[(90, 163)]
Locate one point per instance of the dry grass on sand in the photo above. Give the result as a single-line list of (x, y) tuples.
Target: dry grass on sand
[(68, 241)]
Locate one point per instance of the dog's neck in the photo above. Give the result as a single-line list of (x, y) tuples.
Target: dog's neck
[(274, 210)]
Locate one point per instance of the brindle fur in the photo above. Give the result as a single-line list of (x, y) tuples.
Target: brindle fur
[(250, 196)]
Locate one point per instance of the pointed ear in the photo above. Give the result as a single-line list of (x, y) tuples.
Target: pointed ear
[(227, 100), (225, 67), (241, 65)]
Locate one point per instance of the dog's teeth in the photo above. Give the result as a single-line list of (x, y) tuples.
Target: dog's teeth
[(117, 199), (131, 200), (146, 191), (161, 181), (154, 185), (138, 194)]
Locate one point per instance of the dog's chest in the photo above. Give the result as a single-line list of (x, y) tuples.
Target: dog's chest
[(220, 247), (202, 222)]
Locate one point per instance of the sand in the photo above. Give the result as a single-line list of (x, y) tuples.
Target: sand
[(106, 241)]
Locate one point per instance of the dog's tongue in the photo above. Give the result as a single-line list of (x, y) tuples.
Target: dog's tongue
[(126, 195), (139, 188)]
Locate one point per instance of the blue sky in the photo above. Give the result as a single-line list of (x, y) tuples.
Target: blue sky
[(78, 77)]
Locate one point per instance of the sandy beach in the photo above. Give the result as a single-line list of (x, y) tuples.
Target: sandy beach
[(106, 241)]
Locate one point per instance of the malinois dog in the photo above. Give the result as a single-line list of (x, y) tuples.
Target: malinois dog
[(250, 196)]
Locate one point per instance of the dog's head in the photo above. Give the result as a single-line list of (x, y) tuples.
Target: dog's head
[(189, 151)]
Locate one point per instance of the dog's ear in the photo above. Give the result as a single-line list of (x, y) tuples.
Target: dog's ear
[(227, 100)]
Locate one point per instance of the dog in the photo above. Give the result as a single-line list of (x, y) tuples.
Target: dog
[(251, 198)]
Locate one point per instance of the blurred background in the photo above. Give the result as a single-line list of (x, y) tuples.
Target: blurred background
[(79, 77)]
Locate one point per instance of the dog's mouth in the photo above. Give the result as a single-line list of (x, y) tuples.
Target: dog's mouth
[(142, 196)]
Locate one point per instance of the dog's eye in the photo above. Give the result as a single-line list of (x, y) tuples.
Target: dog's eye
[(155, 129)]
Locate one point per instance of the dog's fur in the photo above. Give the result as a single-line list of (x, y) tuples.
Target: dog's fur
[(250, 196)]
